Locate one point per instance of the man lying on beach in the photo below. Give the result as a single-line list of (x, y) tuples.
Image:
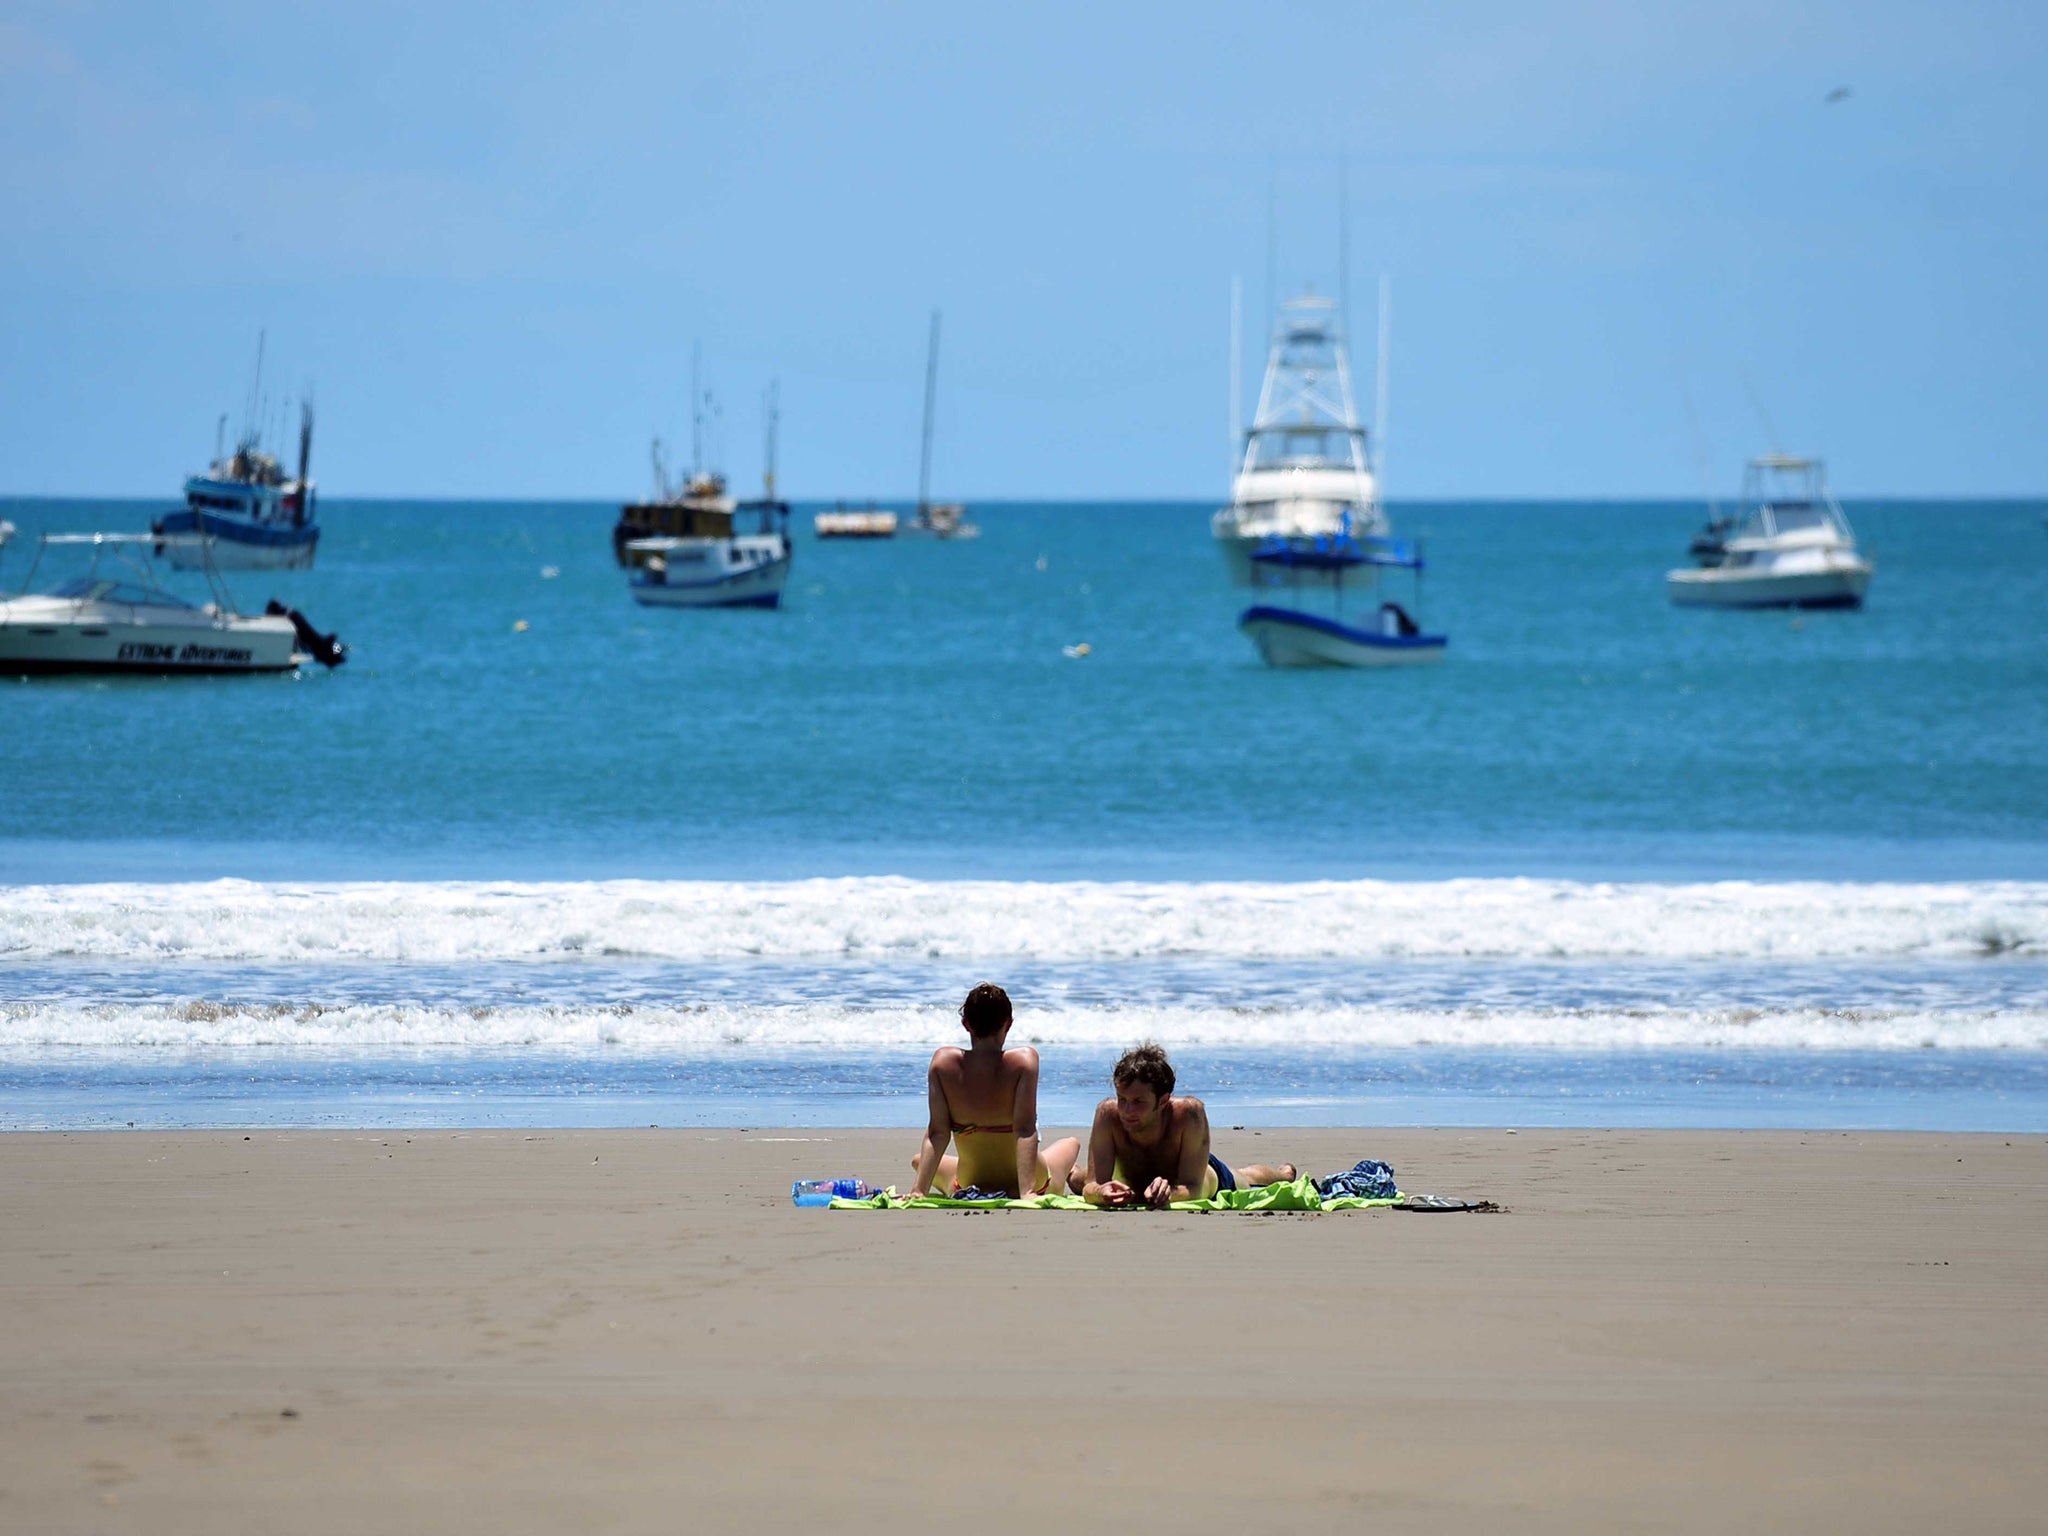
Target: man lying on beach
[(984, 1100), (1149, 1148)]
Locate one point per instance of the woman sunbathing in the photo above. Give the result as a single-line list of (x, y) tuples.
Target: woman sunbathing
[(984, 1101)]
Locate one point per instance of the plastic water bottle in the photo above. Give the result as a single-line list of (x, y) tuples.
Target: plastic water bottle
[(825, 1191)]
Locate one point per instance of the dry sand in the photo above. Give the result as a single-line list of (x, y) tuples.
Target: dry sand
[(634, 1331)]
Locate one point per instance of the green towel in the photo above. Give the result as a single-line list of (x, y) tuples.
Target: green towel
[(1298, 1196)]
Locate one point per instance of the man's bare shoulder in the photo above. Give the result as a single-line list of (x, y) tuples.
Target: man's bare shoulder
[(1191, 1109)]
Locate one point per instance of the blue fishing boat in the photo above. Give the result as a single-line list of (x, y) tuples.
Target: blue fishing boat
[(245, 513), (1291, 636)]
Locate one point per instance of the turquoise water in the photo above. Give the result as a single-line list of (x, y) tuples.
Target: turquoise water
[(911, 711), (1610, 863)]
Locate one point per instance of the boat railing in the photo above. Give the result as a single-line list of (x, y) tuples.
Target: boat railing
[(123, 547)]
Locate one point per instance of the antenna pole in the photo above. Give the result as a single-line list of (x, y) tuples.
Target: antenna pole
[(931, 386), (696, 410), (250, 423), (1379, 404), (1272, 226), (1236, 369)]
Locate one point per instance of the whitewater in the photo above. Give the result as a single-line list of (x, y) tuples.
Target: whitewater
[(885, 917)]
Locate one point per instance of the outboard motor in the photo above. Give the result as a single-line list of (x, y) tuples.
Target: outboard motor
[(325, 649)]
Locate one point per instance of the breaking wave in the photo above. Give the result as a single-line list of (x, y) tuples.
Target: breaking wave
[(360, 1028), (889, 918)]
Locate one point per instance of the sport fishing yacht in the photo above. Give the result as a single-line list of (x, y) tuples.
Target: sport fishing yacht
[(117, 617), (1790, 546), (1304, 474)]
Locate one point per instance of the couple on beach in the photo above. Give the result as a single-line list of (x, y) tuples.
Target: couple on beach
[(1146, 1147)]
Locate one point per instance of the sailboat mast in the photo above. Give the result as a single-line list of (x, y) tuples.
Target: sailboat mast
[(931, 389), (768, 451)]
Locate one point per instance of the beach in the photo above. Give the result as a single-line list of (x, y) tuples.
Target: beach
[(548, 1330)]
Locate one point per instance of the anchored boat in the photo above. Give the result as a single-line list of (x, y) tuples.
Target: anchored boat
[(245, 513), (706, 563), (942, 519), (1303, 472), (123, 620), (1291, 636), (1790, 546)]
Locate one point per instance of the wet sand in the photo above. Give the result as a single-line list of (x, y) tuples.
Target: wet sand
[(634, 1331)]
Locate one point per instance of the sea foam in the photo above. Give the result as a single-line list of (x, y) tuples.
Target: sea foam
[(884, 918)]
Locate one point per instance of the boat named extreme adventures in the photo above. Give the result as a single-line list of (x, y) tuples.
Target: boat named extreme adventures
[(117, 617)]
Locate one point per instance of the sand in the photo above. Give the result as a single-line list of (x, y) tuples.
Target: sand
[(634, 1331)]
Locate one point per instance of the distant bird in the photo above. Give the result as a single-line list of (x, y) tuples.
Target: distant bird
[(1839, 93)]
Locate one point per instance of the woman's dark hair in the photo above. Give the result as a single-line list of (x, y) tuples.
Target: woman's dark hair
[(986, 1010), (1145, 1063)]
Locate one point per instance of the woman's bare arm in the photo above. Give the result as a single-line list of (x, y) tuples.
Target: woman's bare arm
[(938, 1132), (1024, 1120)]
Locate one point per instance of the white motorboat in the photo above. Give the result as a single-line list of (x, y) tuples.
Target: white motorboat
[(1293, 637), (123, 620), (840, 523), (6, 532), (1790, 546), (709, 571), (1303, 473), (701, 562), (1289, 638)]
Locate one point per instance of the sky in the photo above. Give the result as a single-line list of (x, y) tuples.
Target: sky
[(1628, 245)]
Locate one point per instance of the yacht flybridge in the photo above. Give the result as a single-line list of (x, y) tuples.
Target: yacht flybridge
[(1305, 473), (116, 617), (1790, 546)]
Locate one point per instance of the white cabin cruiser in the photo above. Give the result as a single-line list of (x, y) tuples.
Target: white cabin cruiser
[(706, 564), (714, 570), (1304, 474), (121, 619), (1790, 546)]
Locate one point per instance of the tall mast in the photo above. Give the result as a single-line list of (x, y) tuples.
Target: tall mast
[(252, 426), (1379, 402), (768, 452), (1236, 372), (931, 389)]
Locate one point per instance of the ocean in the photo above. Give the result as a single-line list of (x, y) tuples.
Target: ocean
[(536, 855)]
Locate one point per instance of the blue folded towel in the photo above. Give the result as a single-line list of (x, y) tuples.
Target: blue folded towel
[(1369, 1180)]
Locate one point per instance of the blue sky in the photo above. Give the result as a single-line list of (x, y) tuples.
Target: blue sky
[(488, 236)]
